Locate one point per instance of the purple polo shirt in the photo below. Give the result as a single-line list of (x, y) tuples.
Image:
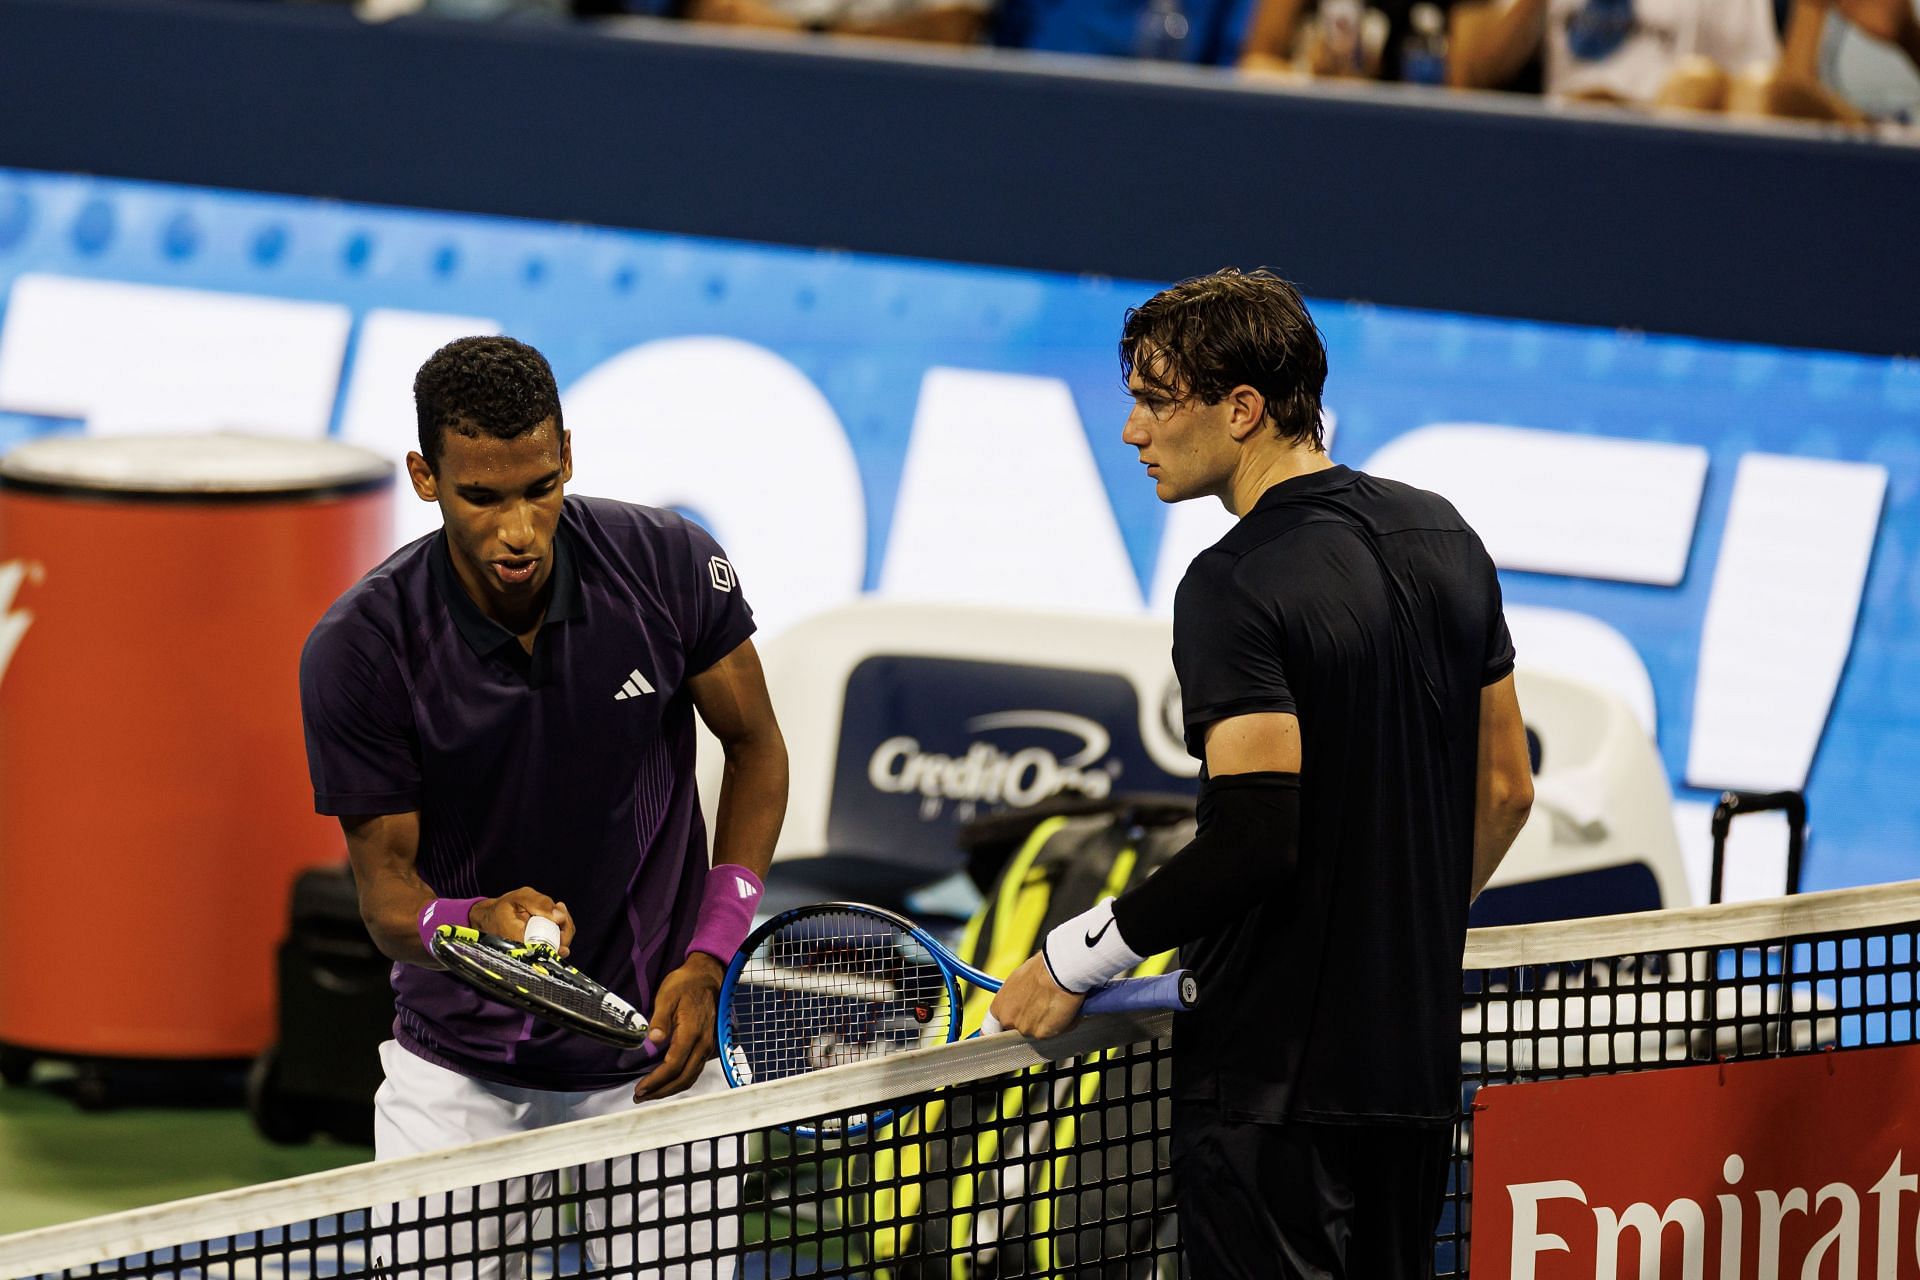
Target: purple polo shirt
[(570, 770)]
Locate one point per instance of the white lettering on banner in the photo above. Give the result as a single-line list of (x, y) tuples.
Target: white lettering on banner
[(1835, 1252), (377, 412), (1651, 1227), (744, 440), (144, 358), (1779, 625), (14, 622), (1786, 594), (1844, 1235), (1551, 502), (986, 774), (1774, 1209), (1886, 1209), (999, 498), (1529, 1241), (1000, 501), (1730, 1218)]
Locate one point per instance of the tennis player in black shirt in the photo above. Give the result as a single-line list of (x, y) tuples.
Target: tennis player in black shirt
[(1347, 682)]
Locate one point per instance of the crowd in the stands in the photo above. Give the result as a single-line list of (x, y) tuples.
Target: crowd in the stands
[(1853, 61)]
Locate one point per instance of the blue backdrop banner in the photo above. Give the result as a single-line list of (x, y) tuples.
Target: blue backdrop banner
[(1721, 534)]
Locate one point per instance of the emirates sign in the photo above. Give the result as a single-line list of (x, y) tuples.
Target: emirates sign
[(1804, 1167)]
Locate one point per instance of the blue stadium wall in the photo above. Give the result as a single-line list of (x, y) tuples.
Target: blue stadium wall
[(422, 178)]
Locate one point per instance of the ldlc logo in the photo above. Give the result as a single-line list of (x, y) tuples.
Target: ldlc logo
[(990, 774), (14, 622)]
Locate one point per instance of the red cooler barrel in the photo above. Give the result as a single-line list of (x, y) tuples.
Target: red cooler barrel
[(154, 806)]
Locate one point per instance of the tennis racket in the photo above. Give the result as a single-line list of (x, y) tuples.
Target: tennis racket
[(531, 975), (842, 982)]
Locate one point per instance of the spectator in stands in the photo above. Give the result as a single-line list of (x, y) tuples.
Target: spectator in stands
[(1709, 55), (1208, 32), (1867, 52), (940, 21), (1384, 40)]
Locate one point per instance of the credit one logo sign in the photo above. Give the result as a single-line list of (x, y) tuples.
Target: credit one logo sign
[(927, 744), (986, 773), (1789, 1167)]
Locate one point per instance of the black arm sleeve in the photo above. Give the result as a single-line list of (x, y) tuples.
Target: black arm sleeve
[(1245, 851)]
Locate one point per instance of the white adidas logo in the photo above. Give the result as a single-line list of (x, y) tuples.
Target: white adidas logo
[(635, 686), (746, 890)]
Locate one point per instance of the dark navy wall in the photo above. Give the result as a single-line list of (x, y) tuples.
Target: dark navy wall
[(1078, 165)]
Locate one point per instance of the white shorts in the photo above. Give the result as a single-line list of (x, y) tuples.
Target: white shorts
[(642, 1231)]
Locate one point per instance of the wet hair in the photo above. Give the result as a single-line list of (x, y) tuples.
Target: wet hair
[(1205, 336), (483, 387)]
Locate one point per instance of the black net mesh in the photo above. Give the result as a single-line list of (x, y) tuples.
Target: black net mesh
[(1672, 1007), (1055, 1170), (1060, 1169)]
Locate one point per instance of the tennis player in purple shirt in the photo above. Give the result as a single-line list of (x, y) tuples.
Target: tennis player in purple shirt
[(502, 717)]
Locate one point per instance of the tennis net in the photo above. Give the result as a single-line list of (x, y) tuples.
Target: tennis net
[(1001, 1158), (1006, 1158), (1824, 971)]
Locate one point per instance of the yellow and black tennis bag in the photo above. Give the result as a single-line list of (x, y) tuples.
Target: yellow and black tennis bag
[(996, 1180)]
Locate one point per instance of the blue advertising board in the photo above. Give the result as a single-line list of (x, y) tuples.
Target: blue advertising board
[(1723, 534)]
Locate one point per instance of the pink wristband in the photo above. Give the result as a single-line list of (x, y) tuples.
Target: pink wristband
[(726, 911), (443, 911)]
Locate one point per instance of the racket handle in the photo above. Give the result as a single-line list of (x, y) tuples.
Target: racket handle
[(540, 929), (1177, 990)]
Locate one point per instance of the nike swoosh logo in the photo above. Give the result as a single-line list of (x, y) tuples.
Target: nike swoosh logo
[(1093, 939)]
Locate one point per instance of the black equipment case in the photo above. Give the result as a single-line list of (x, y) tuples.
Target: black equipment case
[(335, 1007)]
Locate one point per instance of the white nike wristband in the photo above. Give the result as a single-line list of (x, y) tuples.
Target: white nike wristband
[(1088, 951)]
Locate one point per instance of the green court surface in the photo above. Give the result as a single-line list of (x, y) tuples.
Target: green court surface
[(58, 1163)]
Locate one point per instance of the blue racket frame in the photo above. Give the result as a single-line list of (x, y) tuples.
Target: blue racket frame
[(1172, 991)]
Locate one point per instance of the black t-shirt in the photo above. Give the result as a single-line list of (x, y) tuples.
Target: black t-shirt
[(1370, 610)]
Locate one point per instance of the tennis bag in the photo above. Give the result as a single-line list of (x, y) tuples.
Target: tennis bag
[(1009, 1198)]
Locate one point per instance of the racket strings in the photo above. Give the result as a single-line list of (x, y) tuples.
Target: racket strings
[(838, 987)]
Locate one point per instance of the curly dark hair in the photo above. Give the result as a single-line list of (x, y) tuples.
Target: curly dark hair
[(483, 386), (1205, 336)]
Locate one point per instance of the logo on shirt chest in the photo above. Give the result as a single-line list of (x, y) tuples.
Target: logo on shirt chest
[(634, 686)]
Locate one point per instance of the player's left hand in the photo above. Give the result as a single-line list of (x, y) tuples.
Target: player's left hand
[(1033, 1004), (683, 1016)]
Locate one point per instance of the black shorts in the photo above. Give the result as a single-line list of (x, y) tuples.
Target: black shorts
[(1302, 1201)]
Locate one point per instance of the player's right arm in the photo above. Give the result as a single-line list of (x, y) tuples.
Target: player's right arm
[(1503, 781), (364, 757), (384, 849), (1240, 710)]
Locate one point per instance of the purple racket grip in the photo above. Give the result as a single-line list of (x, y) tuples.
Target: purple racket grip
[(1176, 990)]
